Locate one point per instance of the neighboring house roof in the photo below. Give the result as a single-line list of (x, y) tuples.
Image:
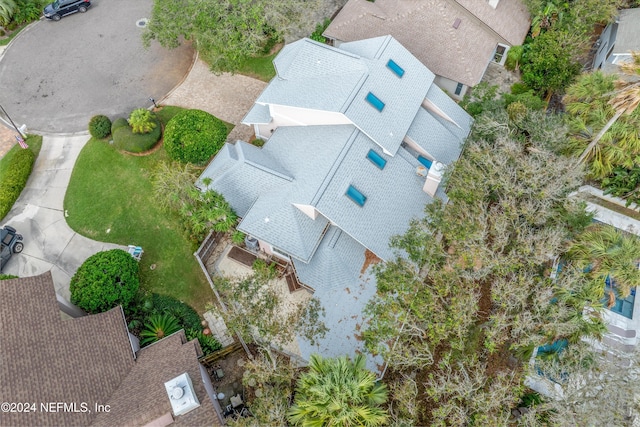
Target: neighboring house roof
[(627, 38), (426, 29), (142, 397), (88, 360), (617, 41)]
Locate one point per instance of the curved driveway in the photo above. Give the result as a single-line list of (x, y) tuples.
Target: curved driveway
[(55, 76), (49, 243)]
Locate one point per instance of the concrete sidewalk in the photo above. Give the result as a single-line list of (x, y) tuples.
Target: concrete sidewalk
[(49, 243)]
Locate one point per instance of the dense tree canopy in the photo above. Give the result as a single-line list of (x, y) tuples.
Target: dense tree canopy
[(225, 32), (475, 296), (548, 64)]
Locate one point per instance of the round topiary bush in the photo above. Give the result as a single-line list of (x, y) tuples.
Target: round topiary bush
[(194, 136), (105, 280), (118, 123), (125, 139), (100, 126)]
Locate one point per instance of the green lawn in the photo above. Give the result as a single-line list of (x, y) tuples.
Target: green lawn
[(260, 67), (110, 199)]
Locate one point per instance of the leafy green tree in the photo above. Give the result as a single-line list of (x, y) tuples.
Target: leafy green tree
[(548, 65), (200, 211), (194, 136), (225, 32), (141, 121), (259, 313), (157, 327), (474, 296), (105, 280), (339, 392)]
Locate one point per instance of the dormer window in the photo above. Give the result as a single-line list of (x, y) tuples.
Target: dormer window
[(375, 101)]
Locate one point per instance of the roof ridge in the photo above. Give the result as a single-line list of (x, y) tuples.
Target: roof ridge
[(334, 167)]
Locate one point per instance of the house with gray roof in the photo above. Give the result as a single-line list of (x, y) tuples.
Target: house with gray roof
[(357, 138), (455, 39), (618, 40), (89, 370)]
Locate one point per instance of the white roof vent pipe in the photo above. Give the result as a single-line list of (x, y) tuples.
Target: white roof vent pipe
[(434, 176)]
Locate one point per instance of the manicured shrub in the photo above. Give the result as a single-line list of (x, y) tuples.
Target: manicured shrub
[(194, 136), (100, 126), (142, 121), (118, 123), (125, 139), (7, 276), (14, 179), (105, 280)]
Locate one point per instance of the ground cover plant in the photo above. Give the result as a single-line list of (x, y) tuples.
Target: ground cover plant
[(125, 213), (15, 168)]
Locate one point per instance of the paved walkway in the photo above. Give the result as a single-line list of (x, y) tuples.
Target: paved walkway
[(226, 96), (49, 243)]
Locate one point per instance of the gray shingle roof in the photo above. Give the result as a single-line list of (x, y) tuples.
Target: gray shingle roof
[(336, 264), (349, 288), (628, 35), (259, 114), (402, 96), (394, 196), (318, 163), (240, 182)]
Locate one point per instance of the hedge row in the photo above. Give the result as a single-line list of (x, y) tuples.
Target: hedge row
[(14, 179)]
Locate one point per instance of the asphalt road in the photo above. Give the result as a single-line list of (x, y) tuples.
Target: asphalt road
[(54, 76)]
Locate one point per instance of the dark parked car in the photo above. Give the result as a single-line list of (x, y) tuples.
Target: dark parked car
[(60, 8), (10, 243)]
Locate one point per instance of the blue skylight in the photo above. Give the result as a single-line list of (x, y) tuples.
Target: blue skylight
[(425, 162), (376, 159), (375, 101), (355, 195), (398, 70)]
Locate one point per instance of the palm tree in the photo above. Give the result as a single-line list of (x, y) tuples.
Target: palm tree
[(158, 327), (7, 9), (338, 392), (625, 100), (604, 250)]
